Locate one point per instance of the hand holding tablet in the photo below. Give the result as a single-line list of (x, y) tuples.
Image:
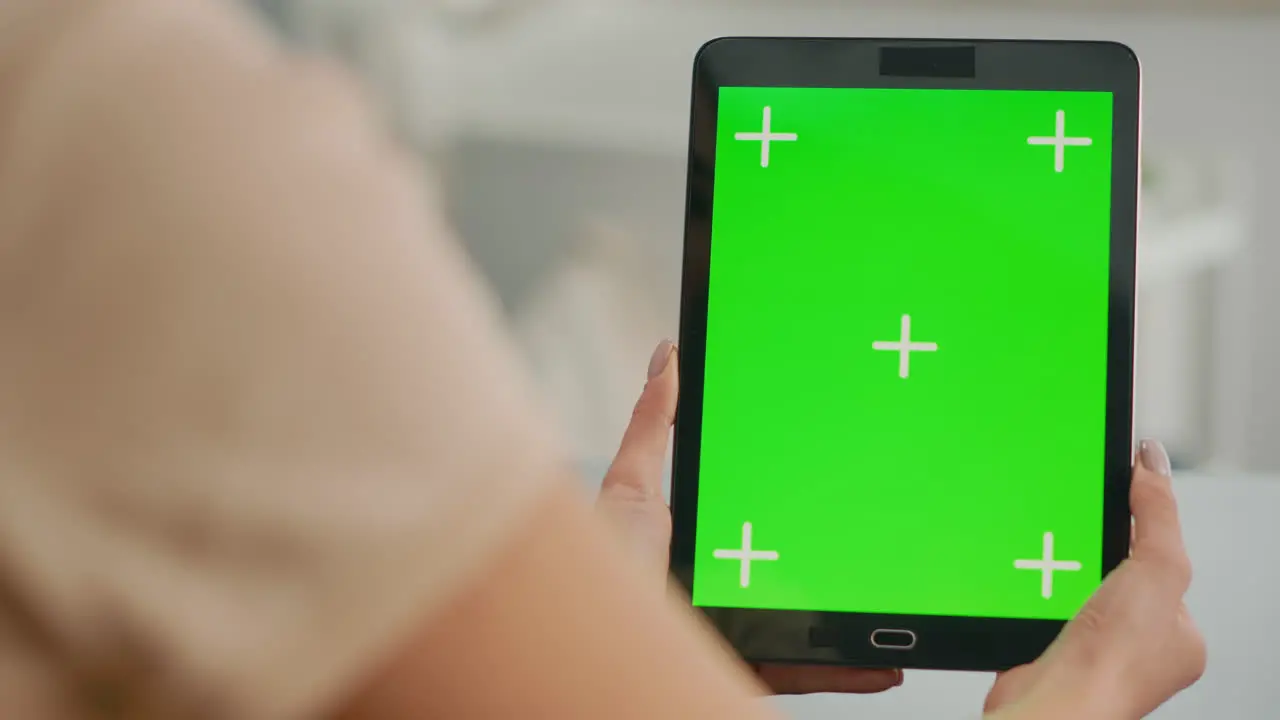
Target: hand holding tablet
[(1133, 646), (631, 500)]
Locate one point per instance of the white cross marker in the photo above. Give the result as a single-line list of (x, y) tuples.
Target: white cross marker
[(766, 136), (905, 347), (745, 556), (1047, 567), (1060, 141)]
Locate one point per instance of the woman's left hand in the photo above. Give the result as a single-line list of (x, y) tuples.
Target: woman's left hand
[(631, 498)]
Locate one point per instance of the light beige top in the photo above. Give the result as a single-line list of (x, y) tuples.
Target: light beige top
[(256, 419)]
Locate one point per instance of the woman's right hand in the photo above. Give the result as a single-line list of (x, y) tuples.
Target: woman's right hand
[(1134, 645)]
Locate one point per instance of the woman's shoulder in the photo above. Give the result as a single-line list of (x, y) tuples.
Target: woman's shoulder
[(261, 415)]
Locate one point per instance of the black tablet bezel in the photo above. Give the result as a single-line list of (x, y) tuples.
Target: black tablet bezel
[(958, 643)]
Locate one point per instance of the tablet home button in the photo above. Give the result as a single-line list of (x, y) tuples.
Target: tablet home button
[(893, 639)]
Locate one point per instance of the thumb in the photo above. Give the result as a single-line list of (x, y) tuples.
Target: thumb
[(1012, 685), (1157, 531), (637, 470), (631, 496)]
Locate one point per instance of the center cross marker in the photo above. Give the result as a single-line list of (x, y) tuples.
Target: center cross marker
[(904, 347)]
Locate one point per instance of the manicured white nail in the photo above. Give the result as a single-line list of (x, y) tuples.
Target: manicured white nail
[(1155, 458), (661, 358)]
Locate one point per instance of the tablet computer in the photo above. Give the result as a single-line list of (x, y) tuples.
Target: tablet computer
[(905, 430)]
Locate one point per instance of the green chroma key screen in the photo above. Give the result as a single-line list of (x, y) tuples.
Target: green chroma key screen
[(905, 393)]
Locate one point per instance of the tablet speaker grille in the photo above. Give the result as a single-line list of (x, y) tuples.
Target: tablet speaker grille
[(941, 62)]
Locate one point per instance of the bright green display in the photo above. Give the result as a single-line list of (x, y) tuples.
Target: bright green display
[(930, 485)]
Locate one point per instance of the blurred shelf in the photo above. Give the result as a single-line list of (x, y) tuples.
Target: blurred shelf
[(1172, 247), (615, 74), (579, 127), (611, 78), (1152, 7), (1173, 250)]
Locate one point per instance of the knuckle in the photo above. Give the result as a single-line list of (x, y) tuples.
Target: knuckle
[(622, 494), (1170, 567), (666, 416), (1196, 649), (1089, 622), (1152, 489), (638, 411), (626, 487), (1186, 571), (1178, 566), (1198, 661), (649, 411)]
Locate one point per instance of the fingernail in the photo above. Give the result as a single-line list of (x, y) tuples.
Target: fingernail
[(661, 358), (902, 677), (1154, 457)]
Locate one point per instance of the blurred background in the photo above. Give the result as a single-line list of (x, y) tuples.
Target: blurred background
[(560, 127)]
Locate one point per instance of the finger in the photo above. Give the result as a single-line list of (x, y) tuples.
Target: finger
[(1194, 653), (637, 469), (1155, 509), (1011, 685), (807, 680), (1157, 531)]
